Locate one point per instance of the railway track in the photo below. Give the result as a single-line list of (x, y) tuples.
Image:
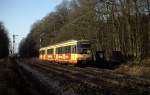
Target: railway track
[(108, 75), (73, 75), (97, 78), (94, 76)]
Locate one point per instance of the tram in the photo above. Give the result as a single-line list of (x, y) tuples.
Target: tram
[(70, 52)]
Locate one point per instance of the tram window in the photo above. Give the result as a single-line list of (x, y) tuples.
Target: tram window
[(56, 50), (59, 50), (62, 50), (84, 51), (65, 49), (68, 49), (84, 45), (74, 49), (50, 51)]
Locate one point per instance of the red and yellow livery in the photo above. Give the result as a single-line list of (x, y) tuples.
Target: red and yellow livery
[(71, 52)]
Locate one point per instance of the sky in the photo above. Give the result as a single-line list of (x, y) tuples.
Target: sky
[(19, 15)]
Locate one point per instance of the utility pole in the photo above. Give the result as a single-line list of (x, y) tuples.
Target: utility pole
[(13, 50)]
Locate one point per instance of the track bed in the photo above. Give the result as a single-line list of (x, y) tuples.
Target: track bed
[(67, 80)]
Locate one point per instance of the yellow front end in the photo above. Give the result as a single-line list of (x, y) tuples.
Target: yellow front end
[(74, 59), (84, 57)]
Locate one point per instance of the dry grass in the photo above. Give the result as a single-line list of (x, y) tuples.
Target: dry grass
[(134, 69)]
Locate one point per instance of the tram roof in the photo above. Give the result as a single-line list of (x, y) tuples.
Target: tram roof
[(64, 42)]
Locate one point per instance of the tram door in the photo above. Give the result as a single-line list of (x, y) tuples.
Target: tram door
[(74, 52)]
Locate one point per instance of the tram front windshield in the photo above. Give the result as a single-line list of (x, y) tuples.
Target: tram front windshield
[(84, 49)]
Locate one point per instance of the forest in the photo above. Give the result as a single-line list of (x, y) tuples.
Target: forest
[(110, 25)]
